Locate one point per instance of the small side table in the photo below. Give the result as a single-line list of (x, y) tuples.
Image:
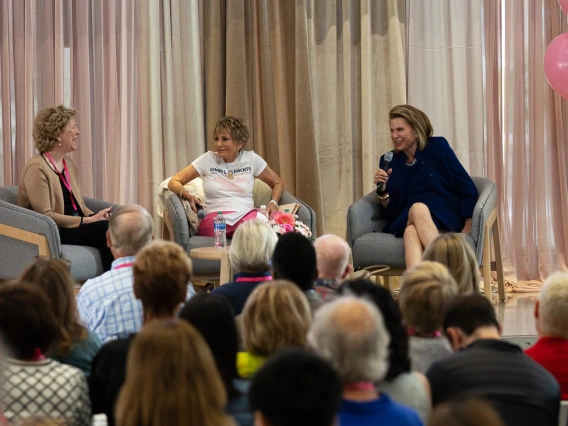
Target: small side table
[(212, 253)]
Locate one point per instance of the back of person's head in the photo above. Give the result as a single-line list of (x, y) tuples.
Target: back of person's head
[(252, 247), (295, 388), (350, 333), (27, 322), (294, 259), (468, 312), (212, 315), (332, 254), (424, 291), (453, 251), (471, 412), (54, 278), (130, 228), (399, 360), (161, 274), (43, 421), (276, 315), (171, 379), (552, 306)]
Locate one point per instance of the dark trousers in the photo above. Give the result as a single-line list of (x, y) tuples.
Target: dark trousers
[(92, 235)]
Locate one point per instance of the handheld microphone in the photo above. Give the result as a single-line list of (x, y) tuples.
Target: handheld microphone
[(388, 159), (200, 211)]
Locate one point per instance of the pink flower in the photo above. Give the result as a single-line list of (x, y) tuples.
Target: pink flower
[(283, 218), (287, 227)]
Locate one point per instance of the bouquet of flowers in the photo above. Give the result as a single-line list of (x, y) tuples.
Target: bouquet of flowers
[(282, 222)]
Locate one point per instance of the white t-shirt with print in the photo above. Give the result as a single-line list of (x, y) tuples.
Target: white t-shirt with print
[(224, 194)]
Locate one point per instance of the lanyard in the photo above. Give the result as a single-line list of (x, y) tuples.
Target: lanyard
[(254, 279), (64, 178), (368, 386), (124, 265)]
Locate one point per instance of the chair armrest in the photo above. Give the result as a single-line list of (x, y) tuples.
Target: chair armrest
[(305, 213), (365, 216), (485, 204), (97, 205), (178, 217), (30, 221)]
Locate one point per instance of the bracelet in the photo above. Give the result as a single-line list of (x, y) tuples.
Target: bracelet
[(383, 192), (384, 197), (80, 223), (275, 203)]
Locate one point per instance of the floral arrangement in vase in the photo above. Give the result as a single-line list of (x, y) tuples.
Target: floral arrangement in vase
[(284, 222)]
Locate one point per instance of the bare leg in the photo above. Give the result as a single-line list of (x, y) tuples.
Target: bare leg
[(412, 246), (419, 216)]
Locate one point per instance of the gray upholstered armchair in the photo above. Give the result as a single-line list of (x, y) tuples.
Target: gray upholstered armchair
[(184, 233), (370, 246), (25, 234)]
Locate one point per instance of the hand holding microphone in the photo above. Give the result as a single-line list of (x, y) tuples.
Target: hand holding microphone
[(382, 175)]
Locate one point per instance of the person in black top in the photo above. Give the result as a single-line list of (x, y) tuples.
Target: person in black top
[(161, 272), (484, 366)]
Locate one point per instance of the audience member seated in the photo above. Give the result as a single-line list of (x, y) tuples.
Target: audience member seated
[(454, 252), (410, 388), (295, 388), (471, 412), (332, 254), (250, 252), (161, 272), (522, 391), (424, 290), (275, 316), (350, 334), (171, 379), (551, 314), (107, 304), (212, 315), (34, 385), (294, 259), (74, 345)]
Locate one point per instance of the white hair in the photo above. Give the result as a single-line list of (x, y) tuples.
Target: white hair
[(252, 247), (332, 254), (553, 305), (131, 228), (349, 332)]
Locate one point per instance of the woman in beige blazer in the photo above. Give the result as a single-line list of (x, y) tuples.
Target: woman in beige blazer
[(49, 183)]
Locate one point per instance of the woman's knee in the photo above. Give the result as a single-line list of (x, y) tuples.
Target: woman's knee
[(410, 232), (418, 210)]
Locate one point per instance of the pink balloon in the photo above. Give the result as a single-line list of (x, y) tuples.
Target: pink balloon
[(564, 5), (556, 65)]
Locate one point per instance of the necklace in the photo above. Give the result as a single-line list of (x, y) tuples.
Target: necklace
[(229, 172), (412, 163)]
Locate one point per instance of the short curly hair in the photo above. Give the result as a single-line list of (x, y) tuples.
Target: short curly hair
[(49, 124), (235, 126)]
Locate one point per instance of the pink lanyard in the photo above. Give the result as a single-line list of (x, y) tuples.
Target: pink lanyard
[(368, 386), (124, 265), (64, 178), (254, 280)]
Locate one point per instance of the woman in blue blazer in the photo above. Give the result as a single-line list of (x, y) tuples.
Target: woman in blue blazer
[(426, 189)]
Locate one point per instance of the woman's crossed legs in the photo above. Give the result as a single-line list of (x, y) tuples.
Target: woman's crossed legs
[(420, 231)]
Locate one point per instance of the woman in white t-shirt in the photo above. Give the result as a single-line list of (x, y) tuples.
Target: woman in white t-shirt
[(228, 178)]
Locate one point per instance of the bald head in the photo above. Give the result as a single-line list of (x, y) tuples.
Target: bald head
[(130, 228), (350, 333), (332, 254)]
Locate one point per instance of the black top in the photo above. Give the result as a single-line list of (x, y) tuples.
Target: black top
[(521, 390), (68, 205), (108, 372)]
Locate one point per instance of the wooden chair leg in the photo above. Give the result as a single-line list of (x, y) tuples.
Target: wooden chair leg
[(498, 259), (486, 260), (387, 280)]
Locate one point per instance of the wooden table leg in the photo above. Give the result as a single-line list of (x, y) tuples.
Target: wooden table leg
[(225, 274)]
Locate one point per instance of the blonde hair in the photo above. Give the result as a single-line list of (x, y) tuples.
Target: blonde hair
[(453, 251), (252, 247), (235, 126), (424, 291), (161, 274), (276, 314), (49, 123), (54, 278), (171, 379), (553, 305), (131, 228), (415, 119)]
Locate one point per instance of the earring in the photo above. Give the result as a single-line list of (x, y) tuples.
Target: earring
[(59, 144)]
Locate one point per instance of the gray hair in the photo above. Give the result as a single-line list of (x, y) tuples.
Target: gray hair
[(252, 247), (350, 333), (332, 253), (553, 305), (131, 228)]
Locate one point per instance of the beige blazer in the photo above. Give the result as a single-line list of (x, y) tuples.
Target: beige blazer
[(40, 190)]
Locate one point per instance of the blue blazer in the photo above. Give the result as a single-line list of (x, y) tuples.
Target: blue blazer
[(444, 171)]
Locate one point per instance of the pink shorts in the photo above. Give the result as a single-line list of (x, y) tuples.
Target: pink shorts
[(206, 224)]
